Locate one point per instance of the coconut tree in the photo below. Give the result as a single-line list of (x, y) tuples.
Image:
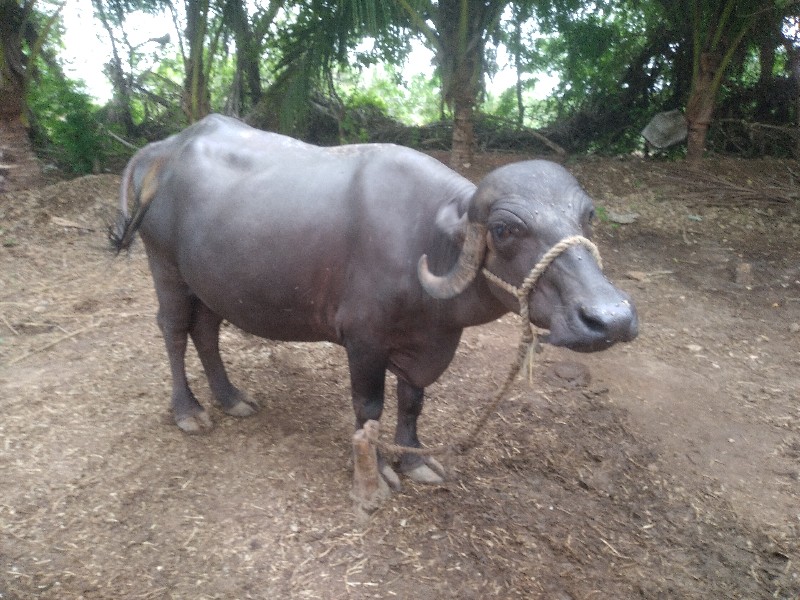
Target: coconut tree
[(23, 32), (456, 31), (249, 32), (203, 30)]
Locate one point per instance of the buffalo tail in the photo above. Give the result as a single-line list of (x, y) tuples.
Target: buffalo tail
[(121, 233)]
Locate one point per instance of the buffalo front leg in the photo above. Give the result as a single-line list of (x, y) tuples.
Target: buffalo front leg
[(420, 468), (367, 384), (204, 330)]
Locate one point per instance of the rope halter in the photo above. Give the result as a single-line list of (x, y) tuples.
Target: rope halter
[(522, 292), (524, 350), (529, 343)]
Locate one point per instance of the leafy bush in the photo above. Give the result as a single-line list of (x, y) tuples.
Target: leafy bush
[(65, 127)]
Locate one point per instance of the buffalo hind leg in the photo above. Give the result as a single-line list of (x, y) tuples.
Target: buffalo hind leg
[(204, 330), (175, 302), (367, 382), (423, 469)]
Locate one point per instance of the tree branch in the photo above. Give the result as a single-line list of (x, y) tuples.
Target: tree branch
[(422, 27)]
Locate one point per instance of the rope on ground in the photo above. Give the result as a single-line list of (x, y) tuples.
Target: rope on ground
[(525, 351)]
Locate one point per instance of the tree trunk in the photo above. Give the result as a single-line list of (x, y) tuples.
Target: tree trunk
[(518, 68), (248, 74), (196, 101), (766, 80), (12, 105), (461, 26), (794, 68), (700, 107), (462, 151), (13, 62), (121, 98), (19, 167)]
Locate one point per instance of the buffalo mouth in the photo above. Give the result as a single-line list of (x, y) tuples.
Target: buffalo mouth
[(589, 328)]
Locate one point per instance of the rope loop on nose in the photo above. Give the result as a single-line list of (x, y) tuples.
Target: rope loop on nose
[(523, 291)]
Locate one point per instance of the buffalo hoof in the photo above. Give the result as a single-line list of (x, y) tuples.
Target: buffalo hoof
[(429, 471), (196, 423), (243, 408), (388, 475)]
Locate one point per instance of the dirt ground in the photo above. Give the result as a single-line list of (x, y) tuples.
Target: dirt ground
[(673, 473)]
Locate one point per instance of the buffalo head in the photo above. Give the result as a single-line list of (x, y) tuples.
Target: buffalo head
[(516, 214)]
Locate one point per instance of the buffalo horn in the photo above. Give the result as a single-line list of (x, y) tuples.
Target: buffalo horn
[(462, 273)]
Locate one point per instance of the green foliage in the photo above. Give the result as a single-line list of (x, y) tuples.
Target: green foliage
[(538, 112), (618, 61), (156, 103), (314, 42), (618, 64), (503, 106), (415, 100), (593, 48), (65, 123)]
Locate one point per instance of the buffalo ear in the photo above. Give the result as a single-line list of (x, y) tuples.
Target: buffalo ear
[(452, 220)]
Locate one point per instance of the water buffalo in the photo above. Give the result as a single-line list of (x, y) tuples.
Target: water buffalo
[(375, 247)]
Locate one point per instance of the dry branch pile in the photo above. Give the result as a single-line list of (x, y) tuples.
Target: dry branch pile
[(716, 190)]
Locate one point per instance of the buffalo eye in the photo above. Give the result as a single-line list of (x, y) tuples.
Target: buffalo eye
[(503, 231), (500, 231)]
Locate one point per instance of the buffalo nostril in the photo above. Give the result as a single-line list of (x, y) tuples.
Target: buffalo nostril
[(593, 319), (616, 321)]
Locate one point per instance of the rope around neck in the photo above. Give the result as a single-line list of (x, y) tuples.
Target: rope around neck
[(525, 349)]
